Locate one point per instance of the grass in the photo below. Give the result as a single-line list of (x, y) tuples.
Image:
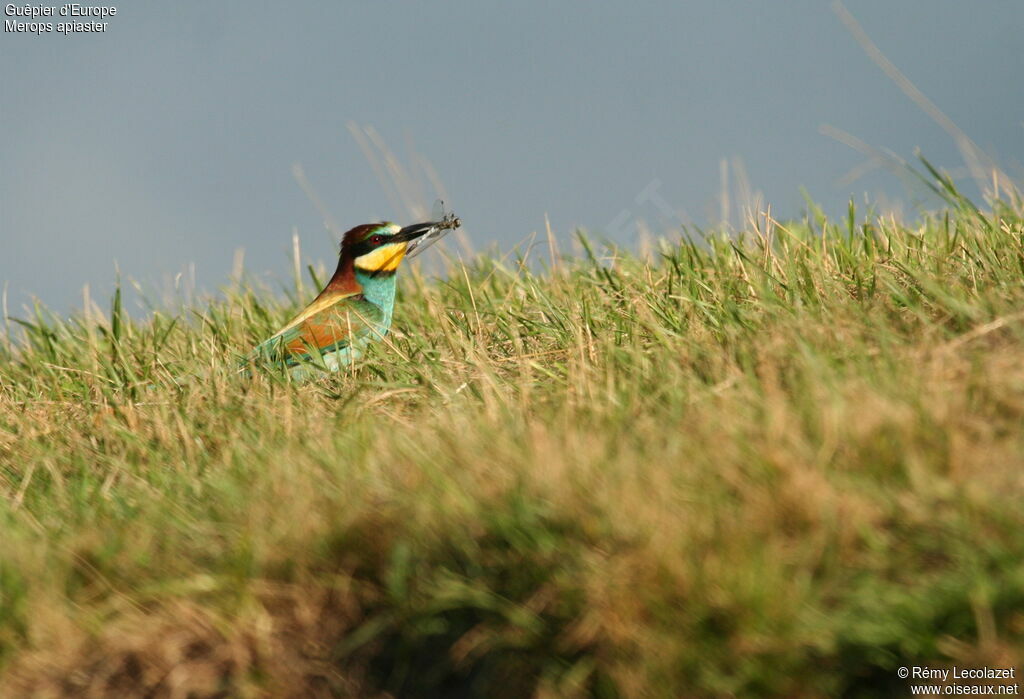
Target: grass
[(783, 463)]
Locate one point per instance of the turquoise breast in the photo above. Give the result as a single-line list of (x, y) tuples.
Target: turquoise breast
[(378, 289)]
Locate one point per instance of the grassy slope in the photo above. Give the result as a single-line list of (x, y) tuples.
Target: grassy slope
[(784, 468)]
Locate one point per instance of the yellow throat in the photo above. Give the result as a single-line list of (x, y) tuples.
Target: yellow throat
[(386, 258)]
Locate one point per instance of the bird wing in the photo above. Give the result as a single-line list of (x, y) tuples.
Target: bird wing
[(326, 325)]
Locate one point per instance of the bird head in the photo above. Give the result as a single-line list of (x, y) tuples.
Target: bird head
[(378, 248)]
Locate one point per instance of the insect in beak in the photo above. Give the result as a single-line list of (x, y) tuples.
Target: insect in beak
[(422, 235)]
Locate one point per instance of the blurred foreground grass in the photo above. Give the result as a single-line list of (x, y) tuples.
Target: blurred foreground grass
[(784, 464)]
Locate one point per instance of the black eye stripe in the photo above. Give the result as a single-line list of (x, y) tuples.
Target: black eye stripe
[(368, 245)]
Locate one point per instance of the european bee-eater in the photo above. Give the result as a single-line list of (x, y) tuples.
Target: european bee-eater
[(356, 306)]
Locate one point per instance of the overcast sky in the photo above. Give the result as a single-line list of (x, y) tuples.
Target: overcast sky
[(170, 138)]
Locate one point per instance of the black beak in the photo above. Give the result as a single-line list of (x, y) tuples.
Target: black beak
[(421, 236), (416, 230)]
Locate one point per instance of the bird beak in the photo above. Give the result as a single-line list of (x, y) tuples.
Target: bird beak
[(416, 230), (421, 236)]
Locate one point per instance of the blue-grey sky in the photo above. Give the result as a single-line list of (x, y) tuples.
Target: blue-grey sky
[(169, 139)]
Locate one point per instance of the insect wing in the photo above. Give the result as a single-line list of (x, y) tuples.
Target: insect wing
[(438, 212)]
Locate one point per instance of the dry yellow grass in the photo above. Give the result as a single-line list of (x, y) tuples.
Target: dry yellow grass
[(784, 465)]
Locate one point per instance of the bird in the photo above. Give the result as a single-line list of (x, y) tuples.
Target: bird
[(354, 308)]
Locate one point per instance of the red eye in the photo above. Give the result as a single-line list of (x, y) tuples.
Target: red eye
[(377, 239)]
